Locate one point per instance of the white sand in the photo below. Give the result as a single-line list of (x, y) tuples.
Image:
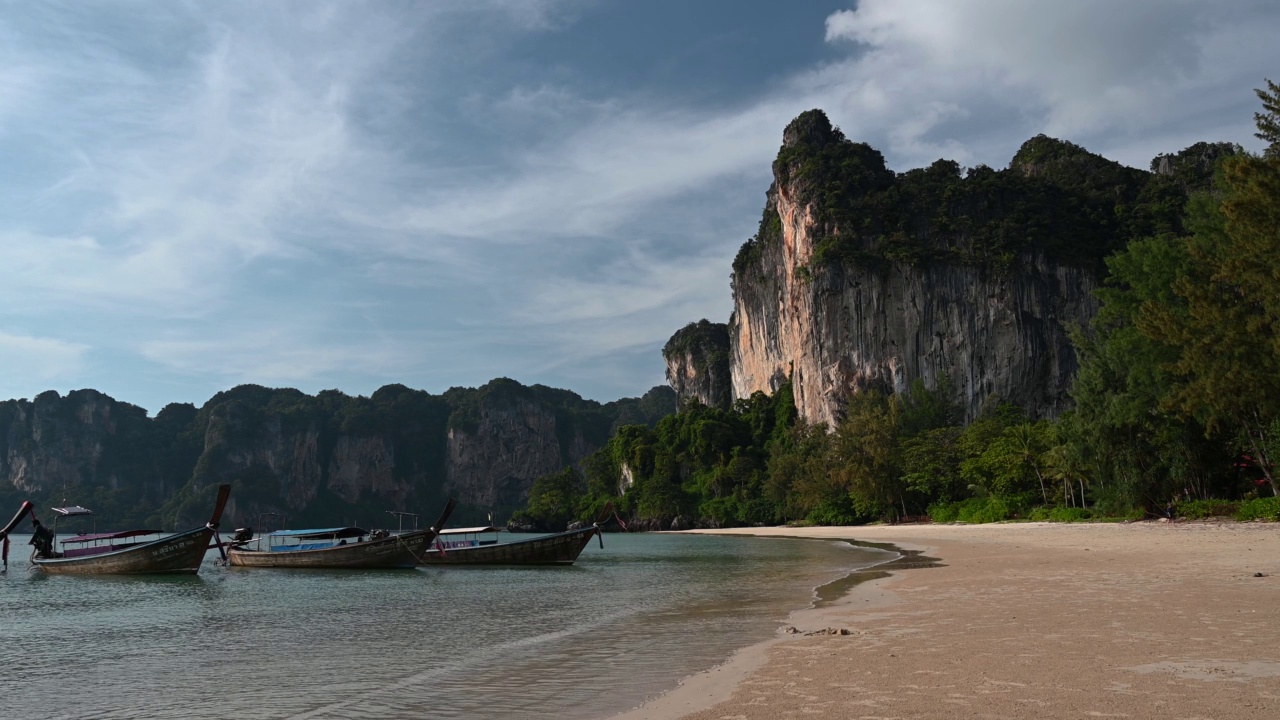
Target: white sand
[(1025, 620)]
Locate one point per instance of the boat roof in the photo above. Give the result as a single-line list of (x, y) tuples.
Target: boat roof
[(470, 530), (315, 533), (73, 510), (90, 537)]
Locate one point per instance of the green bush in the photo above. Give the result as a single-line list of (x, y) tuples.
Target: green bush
[(977, 510), (987, 510), (1059, 513), (1260, 509), (1117, 500), (835, 512), (1069, 514), (944, 512), (1198, 509), (722, 510)]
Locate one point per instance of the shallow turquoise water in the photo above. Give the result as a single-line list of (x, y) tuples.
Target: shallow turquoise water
[(623, 624)]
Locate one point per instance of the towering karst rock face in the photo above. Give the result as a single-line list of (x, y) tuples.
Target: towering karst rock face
[(698, 363), (843, 331), (54, 444), (507, 437), (314, 459), (859, 277)]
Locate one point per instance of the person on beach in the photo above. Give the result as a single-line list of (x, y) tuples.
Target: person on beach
[(1168, 511)]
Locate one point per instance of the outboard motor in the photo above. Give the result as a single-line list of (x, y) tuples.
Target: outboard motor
[(241, 538)]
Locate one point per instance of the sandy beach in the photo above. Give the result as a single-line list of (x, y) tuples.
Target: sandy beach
[(1036, 620)]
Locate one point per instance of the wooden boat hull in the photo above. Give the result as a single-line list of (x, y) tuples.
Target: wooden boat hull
[(560, 549), (179, 554), (395, 552)]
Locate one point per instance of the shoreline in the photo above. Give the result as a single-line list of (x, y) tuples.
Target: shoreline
[(1048, 619), (717, 684)]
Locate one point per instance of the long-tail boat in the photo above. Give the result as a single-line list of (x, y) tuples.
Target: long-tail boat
[(468, 546), (340, 548), (129, 552)]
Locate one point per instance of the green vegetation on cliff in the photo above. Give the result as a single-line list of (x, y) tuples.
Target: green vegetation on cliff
[(708, 342), (705, 345), (1054, 198)]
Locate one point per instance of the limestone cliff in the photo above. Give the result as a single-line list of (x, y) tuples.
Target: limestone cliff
[(843, 331), (697, 359), (55, 445), (860, 278), (492, 463)]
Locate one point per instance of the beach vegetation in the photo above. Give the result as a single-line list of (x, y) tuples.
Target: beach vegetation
[(1208, 508), (1267, 508), (982, 509), (1058, 513)]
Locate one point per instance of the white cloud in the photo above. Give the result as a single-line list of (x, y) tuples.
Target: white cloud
[(1095, 71), (597, 176), (630, 301), (47, 359), (277, 355)]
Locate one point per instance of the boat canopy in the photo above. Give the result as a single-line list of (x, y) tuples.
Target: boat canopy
[(73, 510), (319, 533), (468, 531), (110, 536)]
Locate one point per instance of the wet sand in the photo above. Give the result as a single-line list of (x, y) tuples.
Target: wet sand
[(1036, 620)]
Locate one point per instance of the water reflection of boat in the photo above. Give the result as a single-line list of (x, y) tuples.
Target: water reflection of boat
[(480, 546), (335, 548), (128, 552)]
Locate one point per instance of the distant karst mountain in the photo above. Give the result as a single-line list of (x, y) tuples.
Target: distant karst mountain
[(328, 458)]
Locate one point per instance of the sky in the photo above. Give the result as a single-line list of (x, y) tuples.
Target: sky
[(197, 195)]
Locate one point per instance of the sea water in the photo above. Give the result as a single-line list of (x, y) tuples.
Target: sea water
[(624, 624)]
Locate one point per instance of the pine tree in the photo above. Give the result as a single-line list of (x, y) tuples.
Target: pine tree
[(1227, 374), (1269, 122)]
